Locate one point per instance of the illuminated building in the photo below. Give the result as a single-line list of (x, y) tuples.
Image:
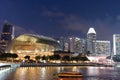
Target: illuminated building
[(76, 44), (102, 47), (64, 44), (33, 45), (91, 39), (6, 36), (116, 44), (73, 44)]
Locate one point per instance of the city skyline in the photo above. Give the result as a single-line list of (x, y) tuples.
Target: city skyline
[(62, 18)]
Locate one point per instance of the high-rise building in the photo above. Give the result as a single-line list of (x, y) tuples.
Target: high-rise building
[(91, 39), (73, 44), (76, 45), (116, 44), (6, 36), (63, 41), (102, 47)]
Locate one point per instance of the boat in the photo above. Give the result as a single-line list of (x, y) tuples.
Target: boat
[(69, 75)]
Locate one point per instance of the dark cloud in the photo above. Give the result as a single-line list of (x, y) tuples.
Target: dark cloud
[(69, 22), (75, 23), (105, 27)]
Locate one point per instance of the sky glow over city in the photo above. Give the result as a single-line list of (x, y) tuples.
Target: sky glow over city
[(56, 18)]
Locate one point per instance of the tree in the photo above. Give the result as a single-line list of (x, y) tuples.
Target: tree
[(74, 58), (8, 56), (55, 57), (84, 59), (66, 58), (88, 53), (14, 56), (78, 57), (37, 58), (3, 56), (116, 58), (44, 57), (81, 57), (27, 57)]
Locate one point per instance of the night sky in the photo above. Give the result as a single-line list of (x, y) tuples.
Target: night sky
[(56, 18)]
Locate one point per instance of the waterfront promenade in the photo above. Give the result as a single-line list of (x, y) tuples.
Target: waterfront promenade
[(14, 65), (58, 64), (4, 65)]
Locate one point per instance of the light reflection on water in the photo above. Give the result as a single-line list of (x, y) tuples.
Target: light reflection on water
[(46, 73)]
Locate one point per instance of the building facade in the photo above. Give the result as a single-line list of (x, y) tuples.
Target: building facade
[(77, 45), (102, 47), (33, 45), (116, 44), (64, 43), (73, 44), (91, 39), (6, 36)]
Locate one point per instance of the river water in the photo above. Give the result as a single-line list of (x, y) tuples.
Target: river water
[(46, 73)]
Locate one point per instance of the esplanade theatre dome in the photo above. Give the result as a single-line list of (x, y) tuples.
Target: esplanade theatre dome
[(33, 45)]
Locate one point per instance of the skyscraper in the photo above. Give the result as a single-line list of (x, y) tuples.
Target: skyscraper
[(102, 47), (73, 44), (116, 44), (6, 36), (76, 44), (64, 43), (91, 39)]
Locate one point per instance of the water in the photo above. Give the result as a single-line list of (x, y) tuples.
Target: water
[(46, 73)]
